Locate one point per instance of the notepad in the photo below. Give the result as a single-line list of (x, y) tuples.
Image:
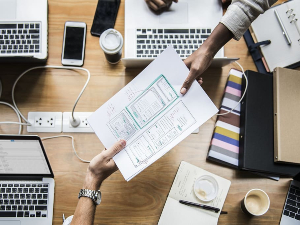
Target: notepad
[(266, 27), (286, 115), (183, 189)]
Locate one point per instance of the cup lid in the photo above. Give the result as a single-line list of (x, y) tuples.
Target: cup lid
[(206, 188), (111, 41)]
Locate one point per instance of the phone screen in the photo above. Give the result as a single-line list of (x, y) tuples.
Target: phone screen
[(74, 43), (105, 16)]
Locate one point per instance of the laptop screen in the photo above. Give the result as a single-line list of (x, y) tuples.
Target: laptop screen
[(23, 157)]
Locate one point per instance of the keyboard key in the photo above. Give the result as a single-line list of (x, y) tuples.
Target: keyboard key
[(139, 52), (38, 214), (31, 25), (25, 207), (32, 215), (37, 25), (141, 36), (20, 25), (14, 31), (31, 31), (8, 207), (292, 215), (20, 207), (8, 26), (14, 207), (291, 202), (297, 217), (291, 196), (19, 31), (26, 214), (2, 207), (140, 41), (25, 32), (208, 31), (292, 191), (176, 31), (160, 31), (203, 31), (8, 31), (40, 207), (291, 208), (44, 202), (8, 214), (31, 190), (44, 215), (204, 36), (20, 214), (31, 207), (192, 31)]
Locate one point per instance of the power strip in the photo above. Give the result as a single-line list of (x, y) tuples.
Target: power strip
[(83, 127), (45, 122)]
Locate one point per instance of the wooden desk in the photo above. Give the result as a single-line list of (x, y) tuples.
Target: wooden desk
[(141, 200)]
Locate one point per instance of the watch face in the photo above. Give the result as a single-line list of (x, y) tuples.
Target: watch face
[(98, 200)]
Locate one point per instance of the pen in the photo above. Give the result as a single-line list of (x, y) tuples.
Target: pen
[(284, 32), (207, 207)]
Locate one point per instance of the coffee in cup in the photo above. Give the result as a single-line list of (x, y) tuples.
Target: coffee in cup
[(111, 42), (255, 203)]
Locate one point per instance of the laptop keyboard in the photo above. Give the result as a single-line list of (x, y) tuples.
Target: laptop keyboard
[(292, 205), (20, 38), (23, 199), (152, 42)]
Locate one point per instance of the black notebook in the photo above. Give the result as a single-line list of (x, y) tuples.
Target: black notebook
[(257, 128)]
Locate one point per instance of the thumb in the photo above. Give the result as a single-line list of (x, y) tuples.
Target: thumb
[(115, 149)]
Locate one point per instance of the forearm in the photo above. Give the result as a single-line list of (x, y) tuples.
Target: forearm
[(218, 38), (85, 210)]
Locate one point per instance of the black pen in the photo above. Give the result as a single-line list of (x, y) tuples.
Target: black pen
[(207, 207)]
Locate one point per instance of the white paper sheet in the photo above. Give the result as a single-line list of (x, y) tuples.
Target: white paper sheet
[(151, 114)]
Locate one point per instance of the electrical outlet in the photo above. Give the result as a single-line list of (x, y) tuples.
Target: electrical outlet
[(45, 122), (83, 127)]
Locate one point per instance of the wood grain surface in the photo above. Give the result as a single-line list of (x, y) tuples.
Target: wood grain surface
[(141, 200)]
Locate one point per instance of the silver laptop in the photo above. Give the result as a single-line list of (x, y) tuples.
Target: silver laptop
[(26, 182), (23, 30), (185, 26), (291, 210)]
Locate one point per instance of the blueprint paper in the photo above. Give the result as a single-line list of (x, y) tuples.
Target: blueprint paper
[(151, 114)]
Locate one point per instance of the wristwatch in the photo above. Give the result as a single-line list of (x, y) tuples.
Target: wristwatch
[(94, 195)]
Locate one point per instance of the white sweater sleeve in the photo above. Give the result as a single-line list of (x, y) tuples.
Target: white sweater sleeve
[(241, 13)]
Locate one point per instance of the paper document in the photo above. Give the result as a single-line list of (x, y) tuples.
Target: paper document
[(183, 189), (151, 114)]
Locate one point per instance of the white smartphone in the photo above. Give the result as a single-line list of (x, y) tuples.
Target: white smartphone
[(73, 44)]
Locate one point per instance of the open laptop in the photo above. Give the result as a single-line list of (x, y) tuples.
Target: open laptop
[(291, 210), (23, 30), (26, 181), (185, 26)]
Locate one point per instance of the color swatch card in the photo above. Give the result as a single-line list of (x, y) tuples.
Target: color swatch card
[(225, 142)]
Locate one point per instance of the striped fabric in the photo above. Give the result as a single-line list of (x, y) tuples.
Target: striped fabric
[(224, 146)]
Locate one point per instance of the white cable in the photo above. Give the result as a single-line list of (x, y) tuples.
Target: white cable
[(246, 79), (20, 128), (54, 67), (45, 138)]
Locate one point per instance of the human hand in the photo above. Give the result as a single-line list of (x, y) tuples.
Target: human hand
[(198, 62), (102, 166), (158, 5)]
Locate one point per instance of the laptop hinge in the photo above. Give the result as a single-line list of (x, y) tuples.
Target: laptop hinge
[(25, 178)]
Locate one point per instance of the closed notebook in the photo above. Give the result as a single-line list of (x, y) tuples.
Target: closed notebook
[(266, 27), (286, 115), (257, 128)]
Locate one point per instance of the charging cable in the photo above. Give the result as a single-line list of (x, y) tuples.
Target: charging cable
[(246, 79), (75, 121), (73, 146)]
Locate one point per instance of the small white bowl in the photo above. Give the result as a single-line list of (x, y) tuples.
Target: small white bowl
[(206, 188)]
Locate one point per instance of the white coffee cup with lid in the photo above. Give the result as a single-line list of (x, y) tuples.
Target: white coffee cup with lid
[(111, 42)]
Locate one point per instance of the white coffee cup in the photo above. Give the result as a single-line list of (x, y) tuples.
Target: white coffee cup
[(111, 42), (256, 202)]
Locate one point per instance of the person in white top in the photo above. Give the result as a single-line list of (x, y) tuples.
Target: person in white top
[(237, 19)]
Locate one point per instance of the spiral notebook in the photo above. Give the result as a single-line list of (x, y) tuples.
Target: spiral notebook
[(279, 53)]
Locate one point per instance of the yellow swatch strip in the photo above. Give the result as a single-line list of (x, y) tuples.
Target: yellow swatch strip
[(235, 79), (227, 133)]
